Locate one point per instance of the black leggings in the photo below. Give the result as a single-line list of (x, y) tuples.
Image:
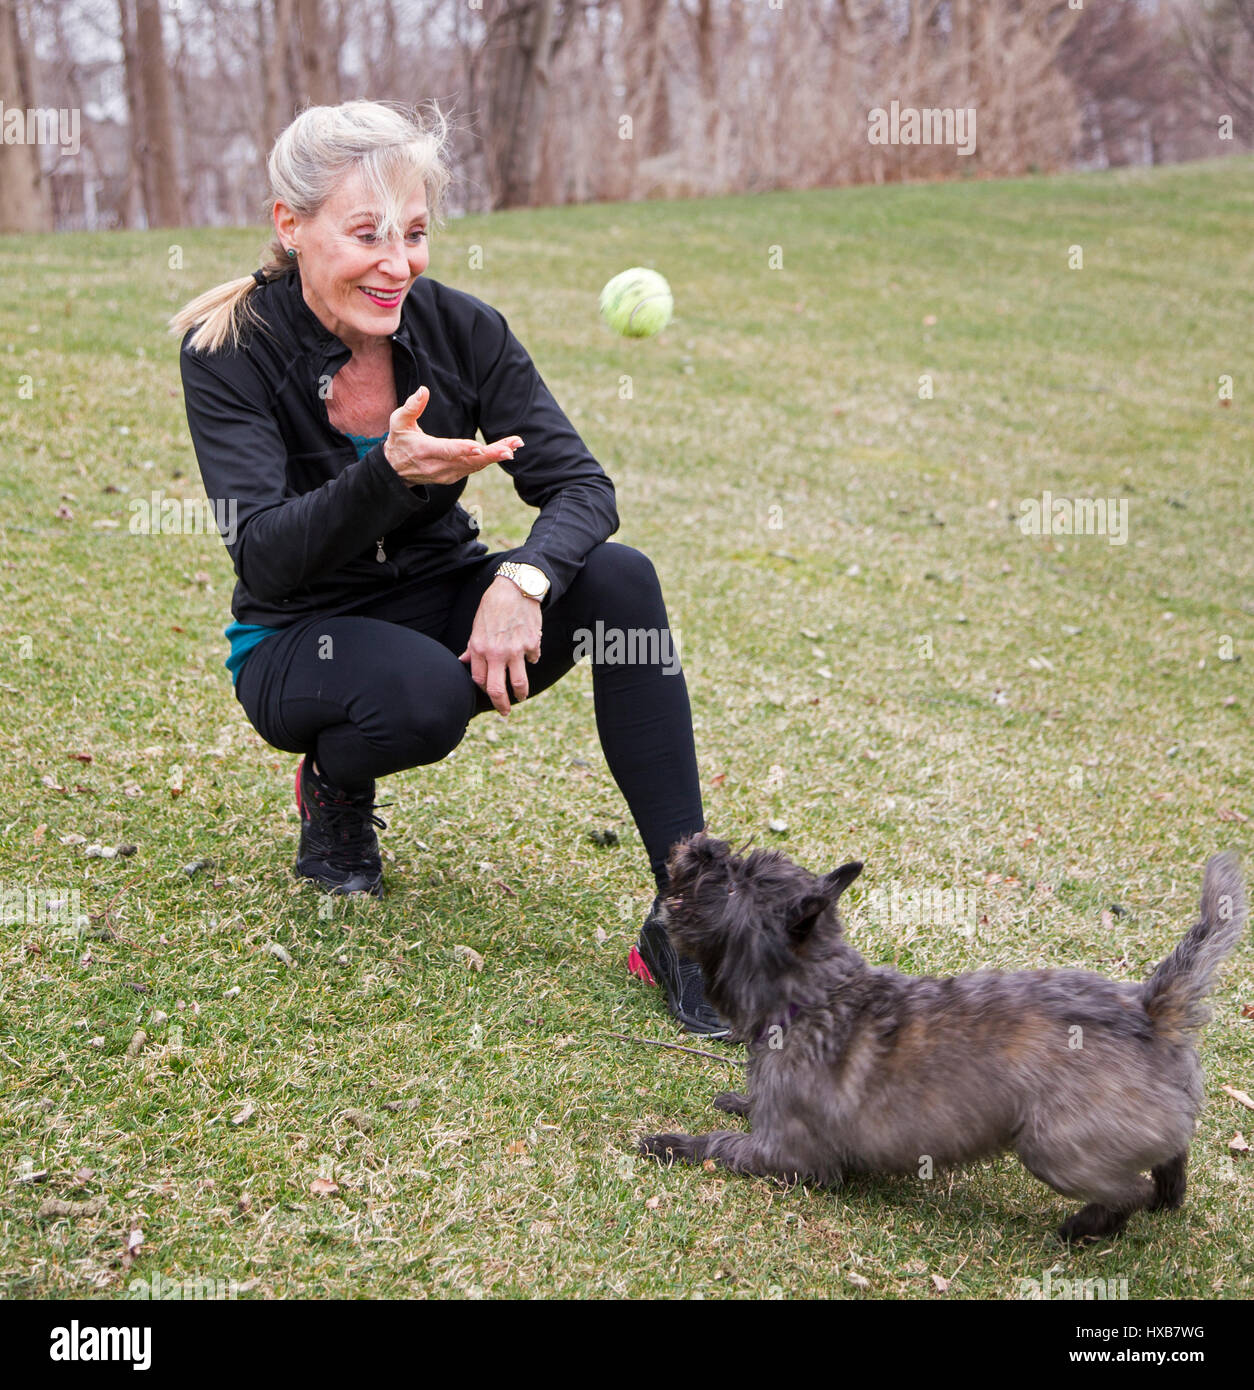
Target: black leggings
[(368, 694)]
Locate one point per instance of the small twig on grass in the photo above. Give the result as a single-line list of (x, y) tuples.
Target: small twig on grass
[(675, 1047), (111, 933)]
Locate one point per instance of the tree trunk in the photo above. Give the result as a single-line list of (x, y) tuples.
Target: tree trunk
[(137, 196), (277, 101), (166, 210), (648, 96), (518, 91), (24, 204), (319, 67)]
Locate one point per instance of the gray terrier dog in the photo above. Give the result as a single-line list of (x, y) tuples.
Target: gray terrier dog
[(855, 1068)]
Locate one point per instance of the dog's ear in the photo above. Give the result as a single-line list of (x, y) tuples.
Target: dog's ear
[(701, 846), (690, 855), (804, 914), (835, 883)]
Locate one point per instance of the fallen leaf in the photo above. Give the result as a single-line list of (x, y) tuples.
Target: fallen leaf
[(280, 953), (1238, 1143), (1247, 1010), (941, 1284), (652, 1203), (81, 757), (245, 1114), (858, 1281), (38, 1175), (709, 1165), (136, 1044), (359, 1120), (1229, 815), (134, 1240), (84, 1175), (323, 1187), (37, 836), (1239, 1096), (468, 957), (516, 1146)]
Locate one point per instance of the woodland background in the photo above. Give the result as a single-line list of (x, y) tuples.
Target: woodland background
[(560, 101)]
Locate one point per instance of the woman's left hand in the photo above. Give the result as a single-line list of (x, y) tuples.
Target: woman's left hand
[(505, 635)]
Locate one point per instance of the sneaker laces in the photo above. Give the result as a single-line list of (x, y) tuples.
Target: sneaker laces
[(349, 820)]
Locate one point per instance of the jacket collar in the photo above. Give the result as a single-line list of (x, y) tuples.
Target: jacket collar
[(304, 327)]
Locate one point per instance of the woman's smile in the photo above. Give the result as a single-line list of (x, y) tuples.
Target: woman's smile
[(385, 299)]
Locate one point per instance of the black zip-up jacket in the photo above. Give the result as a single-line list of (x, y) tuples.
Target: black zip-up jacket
[(308, 514)]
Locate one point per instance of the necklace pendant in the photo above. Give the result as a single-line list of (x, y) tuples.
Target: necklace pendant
[(381, 555)]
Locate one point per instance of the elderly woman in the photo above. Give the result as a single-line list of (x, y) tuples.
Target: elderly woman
[(333, 398)]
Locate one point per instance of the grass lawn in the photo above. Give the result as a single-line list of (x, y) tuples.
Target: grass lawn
[(880, 661)]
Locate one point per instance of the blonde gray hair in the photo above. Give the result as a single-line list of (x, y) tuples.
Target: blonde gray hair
[(393, 148)]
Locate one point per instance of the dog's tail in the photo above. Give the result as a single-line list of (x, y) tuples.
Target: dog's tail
[(1175, 994)]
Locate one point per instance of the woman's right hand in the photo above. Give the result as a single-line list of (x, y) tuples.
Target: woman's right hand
[(420, 457)]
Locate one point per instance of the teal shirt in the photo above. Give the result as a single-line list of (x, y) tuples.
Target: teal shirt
[(243, 637)]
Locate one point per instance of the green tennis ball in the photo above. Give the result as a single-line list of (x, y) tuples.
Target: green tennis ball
[(638, 303)]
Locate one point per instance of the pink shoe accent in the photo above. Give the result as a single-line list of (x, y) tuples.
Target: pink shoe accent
[(637, 967), (300, 767)]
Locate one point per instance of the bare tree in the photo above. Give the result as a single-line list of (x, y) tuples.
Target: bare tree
[(520, 45), (24, 202), (1221, 46), (276, 45), (162, 182), (318, 72)]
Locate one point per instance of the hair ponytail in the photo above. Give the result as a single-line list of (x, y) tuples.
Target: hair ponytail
[(221, 315)]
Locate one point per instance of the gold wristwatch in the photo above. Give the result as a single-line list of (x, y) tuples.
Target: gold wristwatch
[(530, 580)]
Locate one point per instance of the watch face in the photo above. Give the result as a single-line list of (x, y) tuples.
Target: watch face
[(533, 581)]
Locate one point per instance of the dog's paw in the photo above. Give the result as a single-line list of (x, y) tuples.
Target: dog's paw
[(732, 1102), (1094, 1222), (670, 1148)]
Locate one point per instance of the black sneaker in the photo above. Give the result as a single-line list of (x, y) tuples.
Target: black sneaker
[(655, 961), (338, 847)]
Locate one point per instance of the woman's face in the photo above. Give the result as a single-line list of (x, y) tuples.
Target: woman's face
[(354, 282)]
